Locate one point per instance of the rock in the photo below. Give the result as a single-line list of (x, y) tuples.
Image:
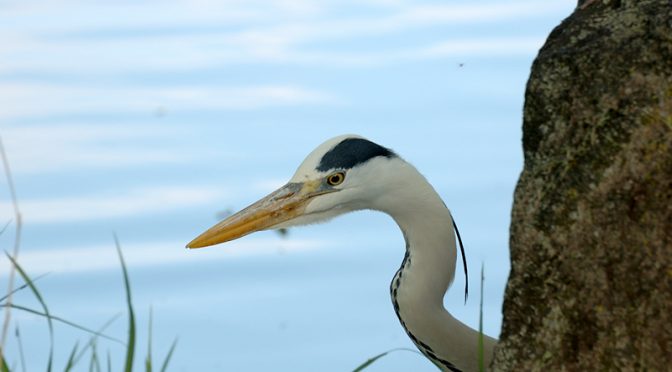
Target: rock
[(590, 287)]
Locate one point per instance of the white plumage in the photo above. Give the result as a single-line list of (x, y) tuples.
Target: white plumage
[(376, 178)]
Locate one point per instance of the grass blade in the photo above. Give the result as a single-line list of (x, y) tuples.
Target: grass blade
[(4, 367), (23, 286), (109, 361), (64, 321), (130, 345), (15, 252), (164, 366), (95, 353), (5, 227), (71, 358), (93, 339), (481, 357), (21, 355), (372, 360), (148, 360), (369, 362), (94, 358), (37, 294)]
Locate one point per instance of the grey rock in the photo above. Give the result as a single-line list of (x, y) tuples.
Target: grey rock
[(590, 287)]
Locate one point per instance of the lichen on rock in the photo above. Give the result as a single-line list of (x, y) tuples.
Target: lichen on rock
[(591, 234)]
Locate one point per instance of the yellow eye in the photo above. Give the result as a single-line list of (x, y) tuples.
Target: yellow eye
[(336, 179)]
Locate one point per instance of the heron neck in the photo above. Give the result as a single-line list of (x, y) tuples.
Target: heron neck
[(430, 250), (419, 286)]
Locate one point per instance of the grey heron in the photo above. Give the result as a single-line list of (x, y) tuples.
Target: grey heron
[(349, 173)]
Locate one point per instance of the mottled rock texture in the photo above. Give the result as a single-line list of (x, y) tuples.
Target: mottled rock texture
[(590, 287)]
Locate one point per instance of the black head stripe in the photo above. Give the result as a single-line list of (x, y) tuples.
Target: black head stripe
[(352, 152)]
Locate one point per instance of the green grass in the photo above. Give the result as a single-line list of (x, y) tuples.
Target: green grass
[(130, 346), (39, 298), (5, 366), (372, 360), (22, 356), (77, 353)]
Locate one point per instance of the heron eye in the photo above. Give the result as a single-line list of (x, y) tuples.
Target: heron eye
[(336, 178)]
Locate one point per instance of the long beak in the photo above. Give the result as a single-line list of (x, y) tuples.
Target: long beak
[(279, 206)]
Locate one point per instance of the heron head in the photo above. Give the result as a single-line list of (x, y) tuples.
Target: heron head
[(343, 174)]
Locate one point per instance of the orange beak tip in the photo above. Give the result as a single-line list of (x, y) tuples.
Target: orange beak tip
[(195, 244)]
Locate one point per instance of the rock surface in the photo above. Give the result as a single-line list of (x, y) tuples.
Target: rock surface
[(590, 287)]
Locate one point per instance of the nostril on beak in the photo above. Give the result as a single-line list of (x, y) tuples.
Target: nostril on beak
[(285, 195)]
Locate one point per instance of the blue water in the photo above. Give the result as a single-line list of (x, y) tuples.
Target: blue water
[(147, 119)]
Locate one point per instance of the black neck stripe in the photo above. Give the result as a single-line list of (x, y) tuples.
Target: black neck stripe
[(423, 347), (352, 152)]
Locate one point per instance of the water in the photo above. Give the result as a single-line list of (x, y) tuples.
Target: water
[(148, 118)]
